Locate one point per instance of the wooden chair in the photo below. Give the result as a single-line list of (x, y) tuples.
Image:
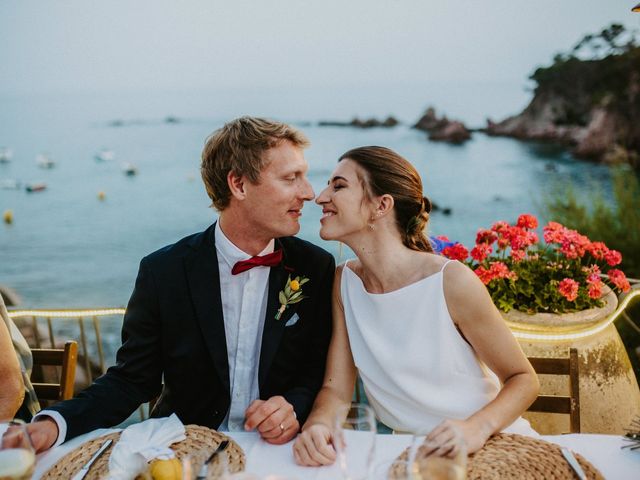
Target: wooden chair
[(65, 358), (555, 403)]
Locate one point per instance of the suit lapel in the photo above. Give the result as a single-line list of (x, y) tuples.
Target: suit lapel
[(203, 277), (273, 329)]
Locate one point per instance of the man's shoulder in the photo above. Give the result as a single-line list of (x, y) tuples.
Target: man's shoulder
[(178, 249)]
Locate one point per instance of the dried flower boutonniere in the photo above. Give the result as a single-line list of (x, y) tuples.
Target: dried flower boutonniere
[(291, 294)]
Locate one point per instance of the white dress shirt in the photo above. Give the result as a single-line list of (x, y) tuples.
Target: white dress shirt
[(244, 305)]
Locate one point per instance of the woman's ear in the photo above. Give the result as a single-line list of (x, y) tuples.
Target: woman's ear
[(385, 205), (236, 185)]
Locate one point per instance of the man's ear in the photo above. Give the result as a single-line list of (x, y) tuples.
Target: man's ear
[(236, 185)]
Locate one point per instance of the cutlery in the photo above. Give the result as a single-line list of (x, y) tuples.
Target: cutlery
[(573, 463), (85, 468), (205, 466)]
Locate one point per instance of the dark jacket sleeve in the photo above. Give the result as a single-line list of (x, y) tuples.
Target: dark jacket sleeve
[(311, 371), (136, 377)]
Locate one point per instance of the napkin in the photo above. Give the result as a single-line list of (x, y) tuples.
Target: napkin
[(143, 442)]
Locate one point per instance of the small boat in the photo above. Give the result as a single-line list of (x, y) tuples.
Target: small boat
[(36, 187), (10, 184), (44, 161), (129, 169), (105, 155), (5, 154)]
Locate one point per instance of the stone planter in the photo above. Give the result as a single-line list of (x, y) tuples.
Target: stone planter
[(609, 394)]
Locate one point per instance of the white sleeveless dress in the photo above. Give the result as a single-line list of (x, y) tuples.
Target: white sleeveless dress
[(416, 368)]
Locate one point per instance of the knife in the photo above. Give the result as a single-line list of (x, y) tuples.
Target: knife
[(573, 463), (85, 469), (204, 470)]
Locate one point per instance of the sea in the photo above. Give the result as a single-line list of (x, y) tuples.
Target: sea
[(78, 243)]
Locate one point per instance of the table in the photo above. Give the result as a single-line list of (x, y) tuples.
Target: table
[(603, 451)]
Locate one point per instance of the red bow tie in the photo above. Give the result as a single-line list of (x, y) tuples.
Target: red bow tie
[(268, 260)]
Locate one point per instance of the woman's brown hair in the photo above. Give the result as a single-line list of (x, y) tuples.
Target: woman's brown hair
[(389, 173)]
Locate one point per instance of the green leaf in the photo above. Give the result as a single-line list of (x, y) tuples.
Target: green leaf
[(282, 298)]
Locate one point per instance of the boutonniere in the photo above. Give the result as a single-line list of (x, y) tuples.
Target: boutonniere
[(291, 294)]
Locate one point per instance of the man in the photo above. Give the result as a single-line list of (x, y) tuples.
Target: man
[(213, 326)]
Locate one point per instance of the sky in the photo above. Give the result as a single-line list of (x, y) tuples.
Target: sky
[(85, 46)]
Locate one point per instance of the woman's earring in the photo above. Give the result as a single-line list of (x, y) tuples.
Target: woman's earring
[(371, 225)]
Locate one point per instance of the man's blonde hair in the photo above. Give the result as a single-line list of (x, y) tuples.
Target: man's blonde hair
[(239, 147)]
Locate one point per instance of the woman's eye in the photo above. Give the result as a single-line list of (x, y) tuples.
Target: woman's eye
[(338, 187)]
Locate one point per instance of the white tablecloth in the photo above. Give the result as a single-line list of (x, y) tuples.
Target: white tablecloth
[(603, 451)]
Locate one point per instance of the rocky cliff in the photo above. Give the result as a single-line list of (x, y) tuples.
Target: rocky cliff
[(593, 106)]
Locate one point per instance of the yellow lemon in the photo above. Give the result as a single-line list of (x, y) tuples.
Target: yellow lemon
[(166, 469), (295, 285)]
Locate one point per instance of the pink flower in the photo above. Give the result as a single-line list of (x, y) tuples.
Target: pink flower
[(480, 251), (444, 238), (595, 290), (574, 245), (484, 274), (456, 252), (517, 255), (568, 288), (553, 232), (619, 279), (499, 226), (613, 257), (527, 221)]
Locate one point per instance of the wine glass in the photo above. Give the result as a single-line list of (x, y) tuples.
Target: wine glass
[(354, 440), (17, 455)]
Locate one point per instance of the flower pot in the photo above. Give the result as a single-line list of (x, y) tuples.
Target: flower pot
[(609, 394)]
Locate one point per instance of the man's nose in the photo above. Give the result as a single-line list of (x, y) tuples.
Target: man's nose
[(307, 190)]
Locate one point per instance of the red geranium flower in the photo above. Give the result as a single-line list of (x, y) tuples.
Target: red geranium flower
[(568, 288), (456, 252), (527, 221), (613, 257), (619, 279)]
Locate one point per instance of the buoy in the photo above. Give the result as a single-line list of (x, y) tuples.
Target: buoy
[(7, 216), (101, 195)]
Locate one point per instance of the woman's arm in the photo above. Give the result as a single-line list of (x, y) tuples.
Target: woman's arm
[(313, 445), (12, 391), (479, 321)]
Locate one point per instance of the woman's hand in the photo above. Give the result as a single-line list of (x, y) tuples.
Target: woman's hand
[(313, 446), (452, 436)]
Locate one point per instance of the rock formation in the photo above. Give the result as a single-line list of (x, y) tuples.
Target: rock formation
[(442, 129)]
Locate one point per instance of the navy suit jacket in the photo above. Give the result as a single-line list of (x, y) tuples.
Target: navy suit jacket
[(173, 335)]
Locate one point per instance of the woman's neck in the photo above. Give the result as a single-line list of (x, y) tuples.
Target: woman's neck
[(386, 264)]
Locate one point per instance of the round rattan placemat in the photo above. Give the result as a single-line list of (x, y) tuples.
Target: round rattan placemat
[(199, 444), (511, 456)]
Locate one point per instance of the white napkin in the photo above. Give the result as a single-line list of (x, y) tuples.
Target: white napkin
[(143, 442)]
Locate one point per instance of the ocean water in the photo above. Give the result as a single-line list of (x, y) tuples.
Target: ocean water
[(66, 248)]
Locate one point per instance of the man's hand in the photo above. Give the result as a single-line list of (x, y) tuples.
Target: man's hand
[(274, 419), (43, 434)]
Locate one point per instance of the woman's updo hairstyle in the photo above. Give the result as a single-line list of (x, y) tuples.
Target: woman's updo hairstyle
[(386, 172)]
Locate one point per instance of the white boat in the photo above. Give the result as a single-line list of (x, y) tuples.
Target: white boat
[(44, 161), (105, 155), (129, 169), (5, 154), (10, 184)]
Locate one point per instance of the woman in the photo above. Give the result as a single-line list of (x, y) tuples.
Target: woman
[(12, 391), (421, 330)]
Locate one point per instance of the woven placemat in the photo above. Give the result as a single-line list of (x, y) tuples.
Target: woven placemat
[(511, 456), (199, 444)]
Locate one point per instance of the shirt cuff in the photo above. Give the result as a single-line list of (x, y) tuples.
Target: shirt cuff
[(60, 422)]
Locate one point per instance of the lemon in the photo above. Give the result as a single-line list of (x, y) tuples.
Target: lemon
[(166, 469)]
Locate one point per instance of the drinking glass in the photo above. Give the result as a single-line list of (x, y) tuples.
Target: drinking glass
[(17, 455), (425, 465), (354, 440)]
